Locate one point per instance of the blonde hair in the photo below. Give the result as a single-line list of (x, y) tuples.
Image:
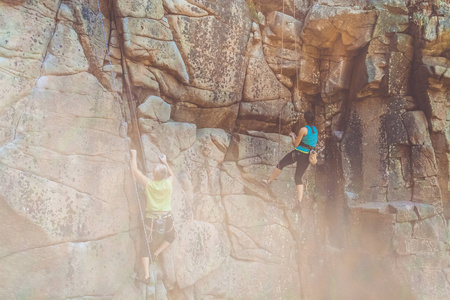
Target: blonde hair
[(160, 172)]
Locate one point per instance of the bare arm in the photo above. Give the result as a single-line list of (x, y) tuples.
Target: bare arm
[(138, 174), (303, 131), (163, 160)]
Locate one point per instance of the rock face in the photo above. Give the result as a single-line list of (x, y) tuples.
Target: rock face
[(217, 86)]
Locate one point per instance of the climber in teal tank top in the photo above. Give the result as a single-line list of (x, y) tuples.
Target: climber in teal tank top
[(305, 141), (310, 139)]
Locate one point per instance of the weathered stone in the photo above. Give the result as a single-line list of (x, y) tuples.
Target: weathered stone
[(154, 108), (439, 115), (244, 248), (72, 266), (377, 239), (286, 282), (152, 9), (213, 144), (378, 207), (90, 31), (221, 65), (260, 82), (399, 103), (417, 127), (388, 22), (269, 111), (199, 249), (74, 106), (395, 129), (372, 71), (25, 34), (286, 81), (141, 76), (269, 244), (147, 28), (171, 137), (337, 77), (284, 26), (128, 289), (70, 174), (183, 7), (437, 35), (364, 168), (325, 24), (398, 74), (399, 194), (196, 98), (416, 246), (427, 190), (433, 229), (309, 76), (399, 171), (425, 272), (404, 210), (248, 211), (402, 238), (281, 60), (397, 7), (203, 159), (447, 274), (222, 117), (157, 53), (403, 43), (423, 161), (57, 133), (209, 209), (425, 210), (245, 146), (65, 55), (231, 181), (84, 257)]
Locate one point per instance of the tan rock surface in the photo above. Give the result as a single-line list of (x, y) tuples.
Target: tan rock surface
[(208, 81)]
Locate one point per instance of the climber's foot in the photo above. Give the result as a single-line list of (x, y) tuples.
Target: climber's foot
[(266, 182), (143, 280)]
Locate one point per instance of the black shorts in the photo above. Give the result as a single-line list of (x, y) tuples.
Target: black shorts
[(302, 160), (157, 232)]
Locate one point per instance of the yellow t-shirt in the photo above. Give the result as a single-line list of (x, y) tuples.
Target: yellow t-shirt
[(159, 195)]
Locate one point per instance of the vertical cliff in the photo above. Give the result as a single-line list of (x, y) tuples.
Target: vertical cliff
[(217, 85)]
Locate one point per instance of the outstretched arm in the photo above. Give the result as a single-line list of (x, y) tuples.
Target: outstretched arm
[(296, 140), (163, 160), (138, 174)]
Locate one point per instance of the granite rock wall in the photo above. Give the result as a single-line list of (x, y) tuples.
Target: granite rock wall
[(217, 86)]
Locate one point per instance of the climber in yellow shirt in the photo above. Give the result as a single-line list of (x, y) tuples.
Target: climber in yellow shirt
[(158, 217)]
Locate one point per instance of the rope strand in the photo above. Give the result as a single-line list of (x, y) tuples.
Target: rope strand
[(126, 140), (281, 85)]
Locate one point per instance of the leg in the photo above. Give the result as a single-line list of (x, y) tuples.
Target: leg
[(302, 165), (288, 159), (274, 175), (300, 193), (169, 236), (161, 248), (145, 262)]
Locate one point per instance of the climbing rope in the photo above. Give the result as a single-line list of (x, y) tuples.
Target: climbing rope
[(281, 85), (126, 140), (133, 105)]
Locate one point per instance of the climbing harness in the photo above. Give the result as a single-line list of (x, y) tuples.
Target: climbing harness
[(126, 141), (158, 224)]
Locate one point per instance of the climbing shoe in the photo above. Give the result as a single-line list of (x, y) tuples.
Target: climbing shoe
[(143, 280), (266, 182)]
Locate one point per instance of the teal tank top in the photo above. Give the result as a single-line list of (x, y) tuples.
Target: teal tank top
[(309, 139)]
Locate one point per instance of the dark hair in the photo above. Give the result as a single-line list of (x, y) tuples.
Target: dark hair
[(309, 118)]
